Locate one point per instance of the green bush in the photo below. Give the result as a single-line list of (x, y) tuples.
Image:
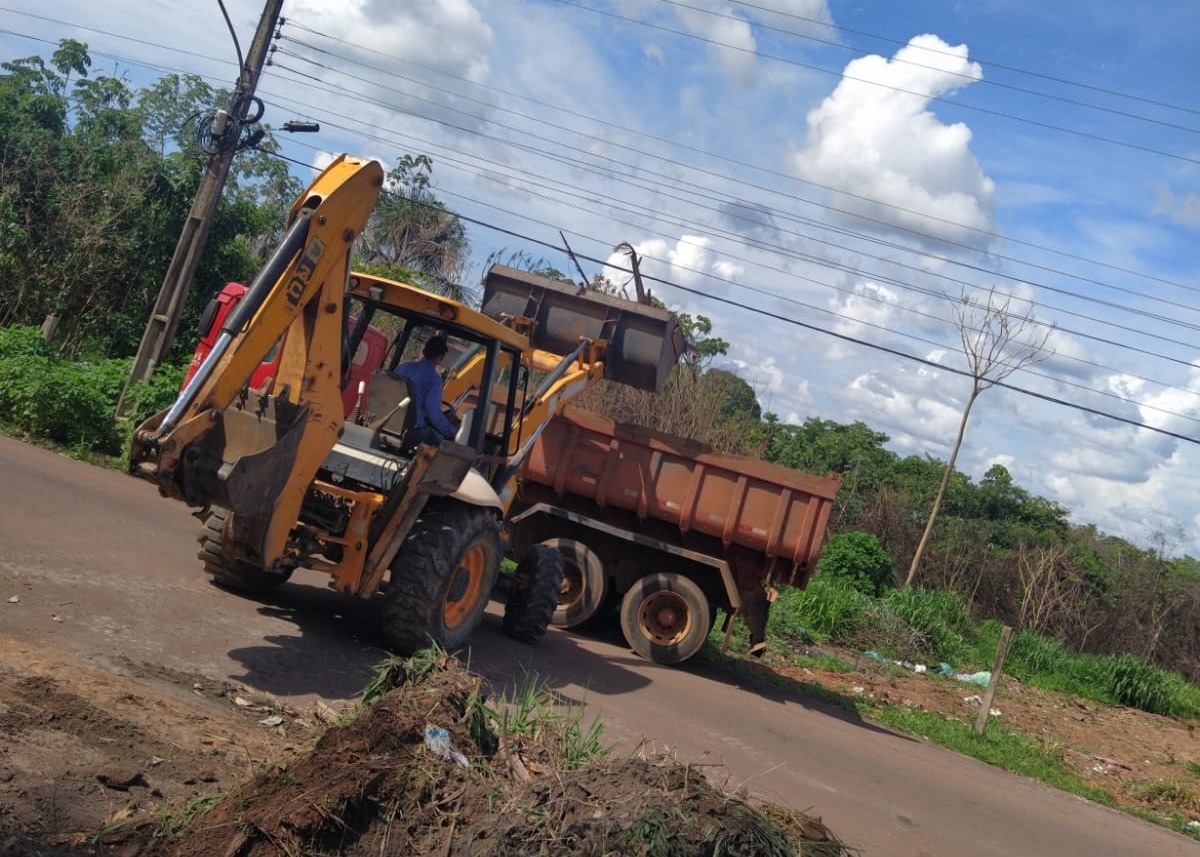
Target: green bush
[(22, 341), (943, 629), (825, 611), (859, 560), (72, 403)]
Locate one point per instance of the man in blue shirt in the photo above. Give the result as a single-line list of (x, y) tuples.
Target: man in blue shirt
[(425, 382)]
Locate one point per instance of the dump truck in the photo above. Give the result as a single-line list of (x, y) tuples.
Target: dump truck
[(668, 527), (283, 479)]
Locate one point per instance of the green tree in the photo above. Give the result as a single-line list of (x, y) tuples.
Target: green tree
[(411, 227), (859, 561)]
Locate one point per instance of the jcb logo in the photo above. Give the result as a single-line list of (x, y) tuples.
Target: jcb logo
[(304, 271)]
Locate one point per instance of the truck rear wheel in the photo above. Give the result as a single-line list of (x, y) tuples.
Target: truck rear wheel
[(442, 578), (225, 571), (665, 617), (584, 583), (534, 594)]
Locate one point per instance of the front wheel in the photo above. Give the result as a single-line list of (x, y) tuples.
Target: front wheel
[(226, 571), (534, 594), (584, 583), (441, 578), (665, 617)]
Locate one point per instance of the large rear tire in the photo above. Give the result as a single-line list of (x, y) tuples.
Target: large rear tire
[(533, 595), (665, 618), (441, 578), (584, 583), (227, 572)]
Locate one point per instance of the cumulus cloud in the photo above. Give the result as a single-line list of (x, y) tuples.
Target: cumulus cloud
[(1183, 209), (730, 29), (871, 139), (909, 401), (690, 262)]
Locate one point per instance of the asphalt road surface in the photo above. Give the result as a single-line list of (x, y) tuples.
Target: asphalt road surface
[(116, 565)]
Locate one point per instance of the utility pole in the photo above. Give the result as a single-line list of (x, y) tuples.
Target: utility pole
[(160, 329)]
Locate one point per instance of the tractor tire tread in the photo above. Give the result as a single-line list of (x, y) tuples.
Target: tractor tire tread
[(534, 594)]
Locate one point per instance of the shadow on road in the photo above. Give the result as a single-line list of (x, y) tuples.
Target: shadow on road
[(338, 646), (333, 655), (711, 665)]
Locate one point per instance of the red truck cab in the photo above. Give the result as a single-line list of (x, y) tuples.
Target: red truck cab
[(368, 358)]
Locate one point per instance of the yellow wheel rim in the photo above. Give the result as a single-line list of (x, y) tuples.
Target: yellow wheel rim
[(466, 587), (664, 618)]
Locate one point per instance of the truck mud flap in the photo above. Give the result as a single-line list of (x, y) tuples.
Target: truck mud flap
[(644, 342)]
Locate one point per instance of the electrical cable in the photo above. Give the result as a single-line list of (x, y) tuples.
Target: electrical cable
[(924, 95), (815, 184), (241, 63), (487, 225), (993, 63), (966, 77), (767, 189), (796, 322), (827, 263)]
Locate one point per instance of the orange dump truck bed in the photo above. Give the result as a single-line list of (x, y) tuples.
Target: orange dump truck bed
[(777, 515)]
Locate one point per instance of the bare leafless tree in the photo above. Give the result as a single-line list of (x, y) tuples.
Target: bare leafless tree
[(997, 340)]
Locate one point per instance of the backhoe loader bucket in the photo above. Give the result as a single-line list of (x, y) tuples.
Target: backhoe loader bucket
[(644, 342)]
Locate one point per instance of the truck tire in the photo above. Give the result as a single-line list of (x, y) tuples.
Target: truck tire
[(665, 617), (534, 594), (584, 583), (441, 578), (225, 571)]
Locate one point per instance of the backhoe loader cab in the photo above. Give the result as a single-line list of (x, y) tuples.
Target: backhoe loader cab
[(285, 479)]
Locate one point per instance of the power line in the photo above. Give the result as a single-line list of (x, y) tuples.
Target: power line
[(849, 194), (925, 291), (717, 156), (741, 163), (767, 189), (992, 63), (796, 322), (970, 78), (925, 95), (853, 339), (759, 264), (816, 260)]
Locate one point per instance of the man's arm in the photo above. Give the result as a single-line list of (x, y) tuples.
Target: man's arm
[(433, 410)]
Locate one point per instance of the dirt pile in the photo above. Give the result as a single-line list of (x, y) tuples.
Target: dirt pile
[(537, 784)]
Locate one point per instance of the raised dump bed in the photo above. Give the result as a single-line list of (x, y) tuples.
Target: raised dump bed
[(675, 527)]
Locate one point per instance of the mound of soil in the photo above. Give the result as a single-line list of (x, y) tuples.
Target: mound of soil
[(373, 787)]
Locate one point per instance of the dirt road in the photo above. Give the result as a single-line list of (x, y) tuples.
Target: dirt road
[(105, 570)]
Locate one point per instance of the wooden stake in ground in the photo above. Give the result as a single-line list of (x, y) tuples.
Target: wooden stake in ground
[(990, 693)]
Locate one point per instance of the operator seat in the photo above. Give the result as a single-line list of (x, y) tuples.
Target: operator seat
[(390, 409)]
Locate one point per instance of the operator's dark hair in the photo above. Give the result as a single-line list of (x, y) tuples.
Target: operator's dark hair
[(435, 347)]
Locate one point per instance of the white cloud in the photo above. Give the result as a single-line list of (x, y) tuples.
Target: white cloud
[(871, 139), (1183, 209)]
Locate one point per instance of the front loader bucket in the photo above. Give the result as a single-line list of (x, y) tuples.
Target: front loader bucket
[(644, 342)]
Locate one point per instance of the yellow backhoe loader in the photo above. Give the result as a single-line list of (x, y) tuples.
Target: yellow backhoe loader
[(283, 479)]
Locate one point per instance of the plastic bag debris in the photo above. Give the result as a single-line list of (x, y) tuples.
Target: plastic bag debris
[(979, 679), (437, 740)]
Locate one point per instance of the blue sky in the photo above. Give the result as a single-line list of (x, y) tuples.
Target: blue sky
[(749, 162)]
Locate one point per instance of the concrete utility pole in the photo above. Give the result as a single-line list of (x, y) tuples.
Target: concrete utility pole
[(160, 329)]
